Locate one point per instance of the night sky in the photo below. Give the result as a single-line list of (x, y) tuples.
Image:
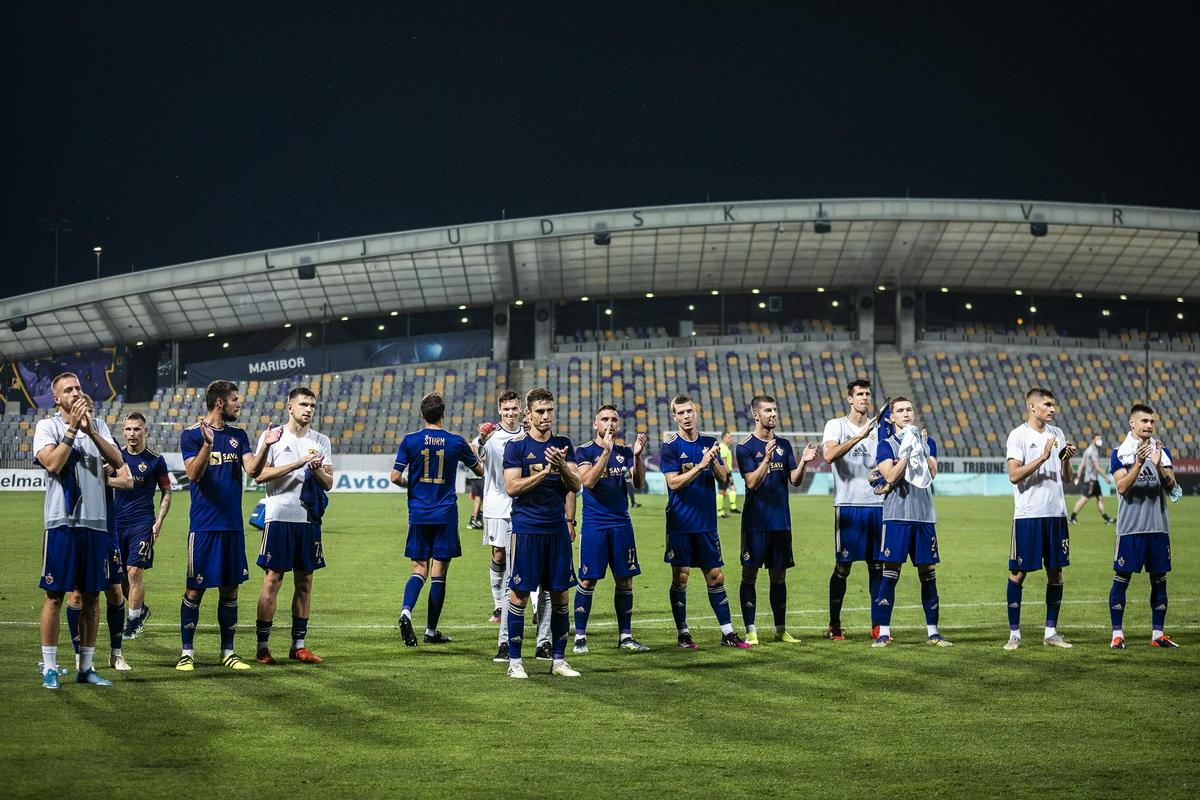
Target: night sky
[(172, 132)]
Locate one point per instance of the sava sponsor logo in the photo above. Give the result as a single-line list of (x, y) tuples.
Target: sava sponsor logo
[(276, 364)]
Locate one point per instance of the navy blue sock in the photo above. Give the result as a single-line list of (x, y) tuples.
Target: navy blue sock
[(189, 618), (299, 629), (262, 627), (559, 623), (1158, 601), (720, 603), (874, 581), (1014, 605), (679, 606), (516, 630), (73, 625), (437, 599), (583, 609), (227, 622), (779, 603), (748, 597), (623, 603), (837, 594), (115, 616), (1116, 600), (929, 596), (412, 591), (887, 595), (1054, 596)]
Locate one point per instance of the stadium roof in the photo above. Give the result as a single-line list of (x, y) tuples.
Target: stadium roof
[(968, 245)]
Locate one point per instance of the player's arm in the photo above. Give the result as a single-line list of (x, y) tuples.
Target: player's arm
[(53, 456), (121, 479), (196, 464), (892, 469), (1166, 475), (831, 451), (590, 473), (807, 456), (569, 473), (1018, 472), (253, 463), (569, 510), (639, 462), (164, 505), (398, 477), (87, 426), (515, 485), (720, 468), (755, 476), (268, 473)]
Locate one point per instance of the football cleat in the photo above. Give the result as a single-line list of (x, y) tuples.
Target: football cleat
[(61, 669), (263, 656), (134, 627), (90, 677), (406, 632), (784, 636), (874, 631), (734, 511), (837, 634), (580, 647), (1118, 643), (234, 661), (1013, 642), (1164, 641), (686, 643), (543, 652), (881, 641), (516, 670), (117, 661), (731, 639), (751, 637), (495, 617), (632, 645), (723, 515), (1057, 640), (562, 669), (437, 637), (185, 664), (304, 655), (501, 654), (50, 679), (937, 640)]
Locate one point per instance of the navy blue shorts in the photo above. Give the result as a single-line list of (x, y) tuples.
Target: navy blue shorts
[(76, 559), (1038, 541), (137, 546), (770, 549), (216, 558), (116, 573), (856, 533), (542, 561), (1151, 551), (694, 550), (426, 541), (291, 547), (601, 547), (899, 541)]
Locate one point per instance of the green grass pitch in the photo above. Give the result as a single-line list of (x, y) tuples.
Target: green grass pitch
[(820, 719)]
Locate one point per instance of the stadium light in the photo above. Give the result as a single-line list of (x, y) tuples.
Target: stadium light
[(381, 327), (395, 313), (1179, 315), (1033, 309), (649, 295), (755, 291), (1038, 229), (1079, 295), (945, 290), (19, 324), (762, 305), (518, 302), (345, 319), (139, 344), (287, 325), (835, 304), (464, 320), (822, 225), (691, 307), (608, 312), (881, 287), (1104, 312), (1020, 321), (97, 250), (462, 308), (714, 292), (1178, 299), (820, 290), (211, 334), (308, 334), (1124, 297), (225, 345), (968, 306), (583, 299), (1018, 292)]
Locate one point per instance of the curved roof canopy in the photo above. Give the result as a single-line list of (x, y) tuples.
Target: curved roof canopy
[(970, 245)]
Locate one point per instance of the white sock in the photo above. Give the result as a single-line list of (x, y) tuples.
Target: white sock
[(430, 631), (726, 629), (49, 656), (497, 583), (512, 662), (116, 651), (297, 644), (751, 629), (931, 630), (1014, 634), (1050, 631), (1118, 632), (226, 654), (86, 655), (580, 637), (406, 613), (133, 613), (1155, 634), (188, 652), (885, 630), (557, 662)]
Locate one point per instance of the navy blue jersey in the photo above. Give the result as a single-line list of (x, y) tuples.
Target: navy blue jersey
[(135, 507), (692, 509), (767, 503), (217, 496), (431, 457), (542, 510), (606, 505)]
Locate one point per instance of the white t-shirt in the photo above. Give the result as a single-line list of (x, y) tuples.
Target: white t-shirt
[(92, 508), (1039, 494), (852, 472), (496, 502), (283, 494)]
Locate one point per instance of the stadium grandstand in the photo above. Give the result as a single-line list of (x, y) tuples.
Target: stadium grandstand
[(959, 304)]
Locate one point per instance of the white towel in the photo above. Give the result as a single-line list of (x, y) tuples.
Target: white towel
[(913, 446), (1127, 452)]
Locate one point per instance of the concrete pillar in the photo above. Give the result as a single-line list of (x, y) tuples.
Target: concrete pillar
[(543, 331), (500, 333)]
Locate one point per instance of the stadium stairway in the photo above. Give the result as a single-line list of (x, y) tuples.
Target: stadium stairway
[(522, 376), (892, 373)]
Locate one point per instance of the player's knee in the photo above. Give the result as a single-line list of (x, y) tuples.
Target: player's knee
[(1017, 577), (193, 595), (749, 574), (625, 583), (55, 599), (1054, 576), (842, 570), (1160, 577), (715, 578), (440, 568), (1122, 576), (420, 568), (228, 592)]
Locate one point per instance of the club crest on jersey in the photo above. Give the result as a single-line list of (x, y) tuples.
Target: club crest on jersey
[(142, 467), (233, 442), (620, 459), (779, 451)]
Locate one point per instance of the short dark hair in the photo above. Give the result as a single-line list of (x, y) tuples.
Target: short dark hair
[(760, 400), (433, 408), (857, 383), (301, 390), (899, 400), (218, 390), (538, 395), (136, 415), (1141, 408), (60, 376), (1039, 391), (681, 400), (507, 396), (607, 407)]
